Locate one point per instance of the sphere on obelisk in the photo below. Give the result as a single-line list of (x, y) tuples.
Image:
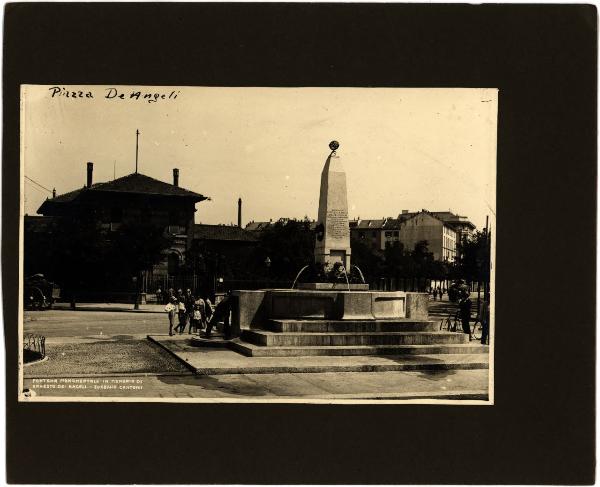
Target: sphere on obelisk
[(333, 232)]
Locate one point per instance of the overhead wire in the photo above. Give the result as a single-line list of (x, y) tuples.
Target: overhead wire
[(38, 184)]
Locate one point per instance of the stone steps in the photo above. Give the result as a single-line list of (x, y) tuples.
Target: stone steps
[(253, 350), (351, 326), (270, 339)]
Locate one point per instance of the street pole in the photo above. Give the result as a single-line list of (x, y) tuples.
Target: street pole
[(137, 133), (136, 304)]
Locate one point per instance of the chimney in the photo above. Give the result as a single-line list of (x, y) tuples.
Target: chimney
[(54, 192), (90, 172), (240, 212), (404, 212), (175, 177)]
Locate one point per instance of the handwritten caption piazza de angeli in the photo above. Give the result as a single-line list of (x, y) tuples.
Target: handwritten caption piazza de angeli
[(113, 94)]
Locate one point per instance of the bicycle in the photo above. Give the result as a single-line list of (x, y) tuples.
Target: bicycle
[(450, 323), (476, 329)]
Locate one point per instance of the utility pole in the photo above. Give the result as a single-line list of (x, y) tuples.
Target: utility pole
[(137, 133), (486, 285)]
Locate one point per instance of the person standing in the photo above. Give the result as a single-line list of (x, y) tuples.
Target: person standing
[(172, 309), (196, 318), (199, 313), (182, 315), (484, 316), (464, 310), (435, 294), (189, 310), (170, 293)]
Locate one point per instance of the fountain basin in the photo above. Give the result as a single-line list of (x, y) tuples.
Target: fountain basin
[(252, 309)]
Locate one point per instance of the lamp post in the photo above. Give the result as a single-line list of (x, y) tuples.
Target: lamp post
[(268, 266), (136, 304)]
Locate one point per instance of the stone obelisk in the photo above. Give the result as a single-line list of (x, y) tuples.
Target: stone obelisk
[(333, 233)]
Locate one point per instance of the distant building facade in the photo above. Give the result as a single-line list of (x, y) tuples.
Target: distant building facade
[(442, 231)]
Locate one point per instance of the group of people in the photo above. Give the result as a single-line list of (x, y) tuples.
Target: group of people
[(196, 313), (187, 311), (437, 291)]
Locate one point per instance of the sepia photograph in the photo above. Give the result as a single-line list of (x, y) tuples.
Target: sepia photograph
[(257, 244), (309, 243)]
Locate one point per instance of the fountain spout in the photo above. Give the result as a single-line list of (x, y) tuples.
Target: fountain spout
[(346, 275), (360, 272), (298, 276)]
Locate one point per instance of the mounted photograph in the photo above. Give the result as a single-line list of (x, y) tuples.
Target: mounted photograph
[(326, 245)]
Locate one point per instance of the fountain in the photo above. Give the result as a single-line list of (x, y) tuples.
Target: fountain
[(330, 299), (336, 318)]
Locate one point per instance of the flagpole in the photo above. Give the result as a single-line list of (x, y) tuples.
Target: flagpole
[(137, 133)]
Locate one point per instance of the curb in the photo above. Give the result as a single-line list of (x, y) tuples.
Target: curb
[(173, 354), (35, 362)]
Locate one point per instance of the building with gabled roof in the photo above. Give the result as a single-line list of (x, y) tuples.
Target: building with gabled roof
[(132, 184), (130, 198)]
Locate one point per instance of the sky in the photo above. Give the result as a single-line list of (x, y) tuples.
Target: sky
[(402, 148)]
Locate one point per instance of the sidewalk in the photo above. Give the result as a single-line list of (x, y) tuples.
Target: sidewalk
[(143, 308), (445, 384)]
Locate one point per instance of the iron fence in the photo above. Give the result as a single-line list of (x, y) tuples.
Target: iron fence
[(35, 344)]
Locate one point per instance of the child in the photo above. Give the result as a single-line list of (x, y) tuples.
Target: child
[(171, 308), (196, 321)]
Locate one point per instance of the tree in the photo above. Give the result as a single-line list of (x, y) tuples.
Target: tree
[(473, 262), (366, 259), (136, 247), (288, 245), (80, 255), (71, 252)]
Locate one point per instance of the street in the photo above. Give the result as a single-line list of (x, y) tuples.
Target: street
[(67, 323), (107, 354)]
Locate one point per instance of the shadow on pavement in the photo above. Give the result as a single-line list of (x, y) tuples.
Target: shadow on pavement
[(215, 384)]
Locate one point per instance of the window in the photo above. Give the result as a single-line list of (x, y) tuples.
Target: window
[(173, 263), (116, 215), (173, 217), (396, 234), (388, 234)]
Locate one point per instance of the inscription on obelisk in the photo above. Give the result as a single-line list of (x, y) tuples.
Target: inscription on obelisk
[(333, 232)]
